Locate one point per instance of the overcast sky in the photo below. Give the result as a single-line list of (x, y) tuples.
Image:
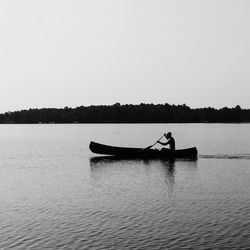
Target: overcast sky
[(56, 53)]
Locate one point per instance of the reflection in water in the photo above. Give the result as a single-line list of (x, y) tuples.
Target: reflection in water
[(167, 171), (156, 171)]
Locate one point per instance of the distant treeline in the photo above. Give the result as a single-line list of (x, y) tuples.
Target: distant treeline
[(143, 113)]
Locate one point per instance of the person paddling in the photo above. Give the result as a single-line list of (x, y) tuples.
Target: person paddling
[(170, 141)]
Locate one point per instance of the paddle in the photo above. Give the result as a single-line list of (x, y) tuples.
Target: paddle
[(153, 144)]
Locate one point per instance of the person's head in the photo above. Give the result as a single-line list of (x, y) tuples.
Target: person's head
[(169, 135)]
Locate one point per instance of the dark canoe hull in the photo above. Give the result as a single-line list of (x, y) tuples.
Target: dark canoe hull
[(124, 152)]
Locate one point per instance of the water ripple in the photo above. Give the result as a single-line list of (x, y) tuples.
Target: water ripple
[(225, 156)]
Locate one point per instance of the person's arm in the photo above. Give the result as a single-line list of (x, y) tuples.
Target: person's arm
[(164, 143)]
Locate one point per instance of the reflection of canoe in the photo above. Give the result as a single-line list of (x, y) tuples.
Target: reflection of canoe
[(124, 152)]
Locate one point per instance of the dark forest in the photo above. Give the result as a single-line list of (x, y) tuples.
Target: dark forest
[(117, 113)]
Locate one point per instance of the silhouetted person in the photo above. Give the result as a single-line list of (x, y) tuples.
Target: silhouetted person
[(170, 141)]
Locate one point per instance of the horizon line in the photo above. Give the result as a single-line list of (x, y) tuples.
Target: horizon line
[(119, 104)]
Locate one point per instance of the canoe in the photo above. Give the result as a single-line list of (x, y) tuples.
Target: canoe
[(126, 152)]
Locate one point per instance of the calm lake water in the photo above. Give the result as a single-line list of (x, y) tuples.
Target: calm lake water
[(55, 195)]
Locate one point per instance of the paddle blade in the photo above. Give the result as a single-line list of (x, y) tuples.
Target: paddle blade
[(148, 147)]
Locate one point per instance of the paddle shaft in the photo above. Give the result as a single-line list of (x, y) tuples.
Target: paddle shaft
[(154, 143)]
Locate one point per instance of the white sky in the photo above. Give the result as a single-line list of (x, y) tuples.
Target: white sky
[(56, 53)]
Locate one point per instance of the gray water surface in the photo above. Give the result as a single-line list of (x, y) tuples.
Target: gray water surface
[(55, 194)]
